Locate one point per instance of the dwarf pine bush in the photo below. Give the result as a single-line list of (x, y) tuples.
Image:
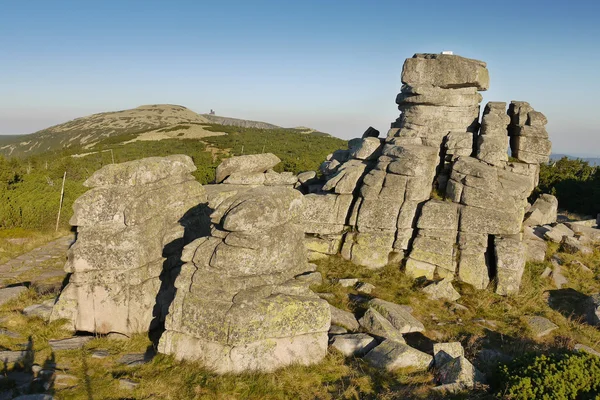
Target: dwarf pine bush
[(557, 377)]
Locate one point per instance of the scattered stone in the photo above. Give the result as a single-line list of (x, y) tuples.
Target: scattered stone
[(100, 354), (557, 233), (459, 371), (245, 164), (365, 287), (535, 246), (326, 296), (356, 344), (592, 309), (540, 326), (581, 266), (441, 290), (573, 245), (73, 343), (391, 355), (134, 359), (543, 211), (458, 307), (445, 352), (306, 177), (558, 278), (312, 278), (377, 325), (9, 293), (398, 315), (337, 330), (34, 397), (10, 334), (343, 318), (592, 234), (546, 273), (127, 384), (581, 348), (42, 310), (347, 282), (64, 381), (8, 356)]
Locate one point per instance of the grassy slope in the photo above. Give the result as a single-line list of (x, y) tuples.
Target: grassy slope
[(32, 201)]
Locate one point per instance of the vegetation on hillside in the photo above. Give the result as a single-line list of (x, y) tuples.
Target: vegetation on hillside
[(575, 183), (30, 187)]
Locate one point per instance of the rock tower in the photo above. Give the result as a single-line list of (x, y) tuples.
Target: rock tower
[(439, 192)]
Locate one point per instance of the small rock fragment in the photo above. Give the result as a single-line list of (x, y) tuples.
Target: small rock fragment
[(353, 344), (441, 290), (540, 326), (343, 318), (581, 348), (391, 355), (76, 342), (377, 325), (364, 287), (127, 384), (347, 282)]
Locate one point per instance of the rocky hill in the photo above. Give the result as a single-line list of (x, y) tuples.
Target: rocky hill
[(87, 131)]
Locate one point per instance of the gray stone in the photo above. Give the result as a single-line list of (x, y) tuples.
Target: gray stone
[(441, 290), (445, 71), (127, 384), (445, 352), (370, 132), (398, 315), (343, 318), (592, 234), (347, 282), (354, 344), (42, 310), (337, 330), (540, 326), (134, 359), (581, 348), (10, 293), (306, 177), (546, 273), (100, 354), (376, 324), (592, 309), (10, 334), (65, 381), (391, 355), (70, 343), (245, 164), (573, 245), (366, 148), (558, 278), (312, 278), (558, 232), (8, 356), (459, 371), (365, 287), (581, 266), (543, 211)]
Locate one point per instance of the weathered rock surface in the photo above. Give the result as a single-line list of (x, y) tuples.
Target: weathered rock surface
[(391, 355), (247, 312), (459, 371), (543, 211), (557, 233), (377, 325), (131, 227), (445, 352), (245, 165), (575, 245), (592, 309), (354, 344), (343, 318), (9, 293), (540, 326), (398, 315), (442, 290)]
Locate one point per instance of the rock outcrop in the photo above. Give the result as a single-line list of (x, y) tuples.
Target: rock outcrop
[(238, 306), (440, 192), (131, 228)]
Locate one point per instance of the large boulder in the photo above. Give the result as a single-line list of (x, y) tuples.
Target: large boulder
[(245, 165), (248, 312), (131, 228)]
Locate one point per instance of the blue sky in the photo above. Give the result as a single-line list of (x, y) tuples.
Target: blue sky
[(331, 65)]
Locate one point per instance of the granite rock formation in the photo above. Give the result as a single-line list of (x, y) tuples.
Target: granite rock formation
[(131, 228), (439, 192), (238, 306)]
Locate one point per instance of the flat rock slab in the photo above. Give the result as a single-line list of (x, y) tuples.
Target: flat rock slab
[(398, 315), (13, 356), (540, 326), (100, 354), (347, 282), (391, 355), (64, 381), (127, 384), (377, 325), (354, 344), (343, 318), (337, 330), (133, 359), (10, 334), (42, 310), (9, 293), (70, 343), (581, 348)]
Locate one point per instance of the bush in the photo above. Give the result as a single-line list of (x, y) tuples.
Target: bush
[(557, 376)]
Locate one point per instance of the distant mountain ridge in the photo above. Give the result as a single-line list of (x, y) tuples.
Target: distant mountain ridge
[(593, 161), (89, 130)]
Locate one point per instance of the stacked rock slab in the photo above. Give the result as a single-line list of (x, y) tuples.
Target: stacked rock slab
[(238, 306), (443, 195), (131, 228), (440, 109)]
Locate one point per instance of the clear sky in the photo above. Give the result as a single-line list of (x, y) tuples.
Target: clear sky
[(331, 65)]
